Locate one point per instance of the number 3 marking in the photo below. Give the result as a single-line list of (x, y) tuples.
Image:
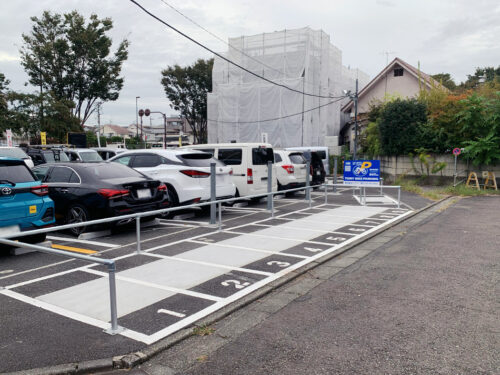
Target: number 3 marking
[(279, 264)]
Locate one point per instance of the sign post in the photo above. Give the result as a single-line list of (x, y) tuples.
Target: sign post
[(456, 152), (8, 132)]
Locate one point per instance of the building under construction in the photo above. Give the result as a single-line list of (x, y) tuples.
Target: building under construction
[(300, 107)]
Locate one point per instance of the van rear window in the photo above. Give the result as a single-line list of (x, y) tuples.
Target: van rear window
[(230, 156), (260, 156)]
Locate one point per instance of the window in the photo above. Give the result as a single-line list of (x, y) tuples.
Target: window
[(199, 160), (60, 174), (54, 156), (13, 152), (277, 158), (125, 160), (15, 173), (322, 154), (297, 158), (260, 156), (170, 161), (40, 172), (146, 161), (109, 171), (398, 72), (230, 156), (73, 156), (90, 156), (209, 150)]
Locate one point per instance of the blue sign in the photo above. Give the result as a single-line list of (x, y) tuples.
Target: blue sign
[(362, 172)]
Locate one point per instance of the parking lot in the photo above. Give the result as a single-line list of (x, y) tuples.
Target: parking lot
[(186, 270)]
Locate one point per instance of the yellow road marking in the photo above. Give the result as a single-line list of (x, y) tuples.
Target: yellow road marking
[(75, 249)]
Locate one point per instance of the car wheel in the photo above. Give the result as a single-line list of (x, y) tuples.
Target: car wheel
[(34, 239), (77, 214)]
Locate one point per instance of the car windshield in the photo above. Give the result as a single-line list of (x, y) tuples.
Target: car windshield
[(261, 155), (13, 152), (54, 156), (90, 156), (15, 174), (199, 160), (112, 170)]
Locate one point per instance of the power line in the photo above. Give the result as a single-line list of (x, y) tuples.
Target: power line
[(219, 38), (225, 58), (279, 118)]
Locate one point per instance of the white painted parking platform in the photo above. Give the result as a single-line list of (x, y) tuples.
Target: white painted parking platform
[(161, 291)]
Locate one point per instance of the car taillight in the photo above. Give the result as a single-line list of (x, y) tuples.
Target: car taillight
[(40, 190), (113, 193), (249, 176), (311, 169), (231, 172), (288, 168), (195, 174), (162, 187)]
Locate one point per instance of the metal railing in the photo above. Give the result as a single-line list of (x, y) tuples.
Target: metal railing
[(213, 203)]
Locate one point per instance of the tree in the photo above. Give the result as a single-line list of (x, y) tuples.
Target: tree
[(4, 109), (446, 80), (399, 126), (187, 88), (486, 74), (69, 58)]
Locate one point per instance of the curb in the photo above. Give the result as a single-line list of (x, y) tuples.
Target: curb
[(131, 360)]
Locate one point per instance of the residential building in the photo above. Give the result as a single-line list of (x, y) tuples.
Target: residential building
[(398, 79)]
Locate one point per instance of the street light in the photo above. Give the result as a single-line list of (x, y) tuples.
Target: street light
[(136, 119)]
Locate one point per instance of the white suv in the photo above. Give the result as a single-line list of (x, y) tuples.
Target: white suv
[(186, 173), (290, 169)]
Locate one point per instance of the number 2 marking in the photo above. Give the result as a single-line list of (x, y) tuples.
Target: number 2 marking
[(336, 238), (279, 264), (236, 283)]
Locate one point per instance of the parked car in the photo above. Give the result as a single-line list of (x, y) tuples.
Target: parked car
[(24, 201), (290, 169), (186, 173), (249, 163), (316, 169), (42, 155), (88, 191), (82, 154), (107, 153), (18, 153), (320, 150)]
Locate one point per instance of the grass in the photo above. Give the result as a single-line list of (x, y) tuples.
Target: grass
[(203, 330), (436, 193)]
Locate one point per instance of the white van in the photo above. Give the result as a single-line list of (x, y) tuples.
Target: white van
[(249, 163), (321, 151)]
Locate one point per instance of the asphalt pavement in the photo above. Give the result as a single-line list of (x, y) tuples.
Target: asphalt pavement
[(421, 298)]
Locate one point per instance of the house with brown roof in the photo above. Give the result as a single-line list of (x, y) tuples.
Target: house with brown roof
[(398, 79)]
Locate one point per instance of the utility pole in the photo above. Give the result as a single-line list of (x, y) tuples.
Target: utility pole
[(99, 124), (356, 121), (136, 118)]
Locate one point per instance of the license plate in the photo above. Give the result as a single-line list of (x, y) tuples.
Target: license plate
[(11, 229), (143, 193)]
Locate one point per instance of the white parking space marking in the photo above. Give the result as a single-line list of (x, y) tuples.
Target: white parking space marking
[(173, 313), (229, 244)]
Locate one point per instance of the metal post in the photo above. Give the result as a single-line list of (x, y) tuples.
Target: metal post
[(138, 233), (308, 178), (164, 131), (455, 174), (356, 122), (269, 185), (334, 175), (220, 217), (399, 195), (381, 187), (112, 298), (326, 193), (213, 196)]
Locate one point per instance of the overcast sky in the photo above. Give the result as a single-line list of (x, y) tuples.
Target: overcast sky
[(454, 36)]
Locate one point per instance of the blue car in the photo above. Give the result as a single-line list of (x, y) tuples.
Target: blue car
[(24, 201)]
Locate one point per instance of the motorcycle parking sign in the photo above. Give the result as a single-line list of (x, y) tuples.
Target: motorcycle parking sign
[(362, 172)]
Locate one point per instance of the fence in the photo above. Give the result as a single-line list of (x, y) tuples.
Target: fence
[(214, 205)]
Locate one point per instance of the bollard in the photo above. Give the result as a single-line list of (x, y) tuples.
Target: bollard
[(334, 175), (326, 193), (399, 195), (220, 217), (381, 187), (138, 233), (213, 196), (112, 299), (269, 185), (308, 180)]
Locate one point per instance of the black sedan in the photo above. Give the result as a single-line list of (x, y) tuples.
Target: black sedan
[(88, 191)]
